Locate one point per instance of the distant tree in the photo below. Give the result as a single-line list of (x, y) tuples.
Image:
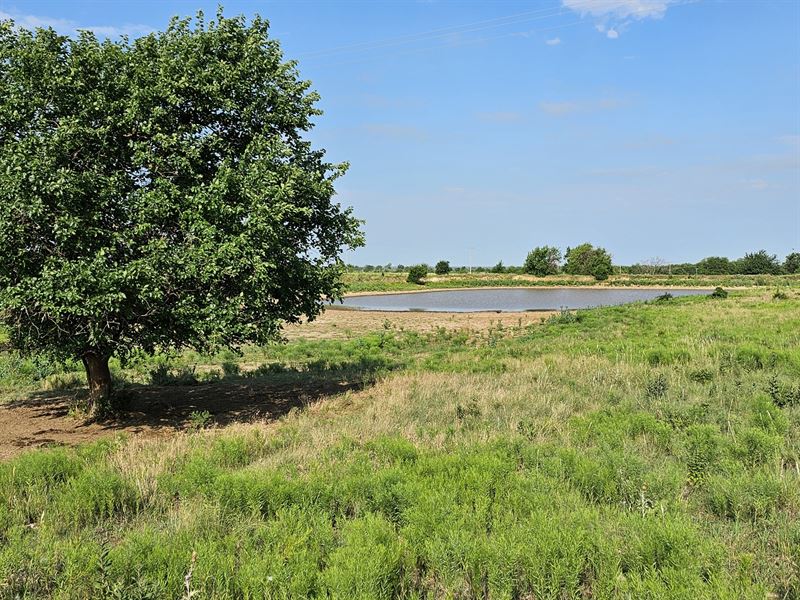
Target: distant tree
[(792, 263), (715, 265), (655, 264), (442, 267), (160, 193), (543, 261), (498, 268), (417, 273), (758, 263), (588, 260)]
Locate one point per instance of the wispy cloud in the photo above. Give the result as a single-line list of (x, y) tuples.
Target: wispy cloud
[(613, 16), (501, 117), (69, 27), (560, 109), (553, 42)]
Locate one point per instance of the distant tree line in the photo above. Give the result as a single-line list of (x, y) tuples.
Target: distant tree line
[(587, 259)]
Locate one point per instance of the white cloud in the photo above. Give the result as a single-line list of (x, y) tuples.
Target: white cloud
[(553, 42), (69, 27), (613, 16)]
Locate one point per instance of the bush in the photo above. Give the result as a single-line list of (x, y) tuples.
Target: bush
[(417, 273), (442, 268), (718, 293), (543, 261)]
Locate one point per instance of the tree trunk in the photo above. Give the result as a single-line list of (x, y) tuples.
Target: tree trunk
[(99, 377)]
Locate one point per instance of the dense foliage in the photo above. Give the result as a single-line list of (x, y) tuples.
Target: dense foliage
[(543, 261), (160, 193), (417, 273), (588, 260), (792, 263), (758, 262), (442, 267)]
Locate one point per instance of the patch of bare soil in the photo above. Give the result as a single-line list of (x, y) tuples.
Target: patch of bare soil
[(44, 419)]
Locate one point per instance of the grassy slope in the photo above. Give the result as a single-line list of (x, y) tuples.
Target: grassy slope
[(396, 282), (642, 451)]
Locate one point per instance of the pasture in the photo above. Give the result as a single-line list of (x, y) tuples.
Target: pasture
[(649, 451)]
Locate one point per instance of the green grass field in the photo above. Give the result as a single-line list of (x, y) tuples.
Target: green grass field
[(644, 451)]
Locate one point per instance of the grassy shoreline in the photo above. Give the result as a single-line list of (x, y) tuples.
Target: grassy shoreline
[(356, 283)]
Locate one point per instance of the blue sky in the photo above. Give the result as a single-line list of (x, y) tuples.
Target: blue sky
[(655, 128)]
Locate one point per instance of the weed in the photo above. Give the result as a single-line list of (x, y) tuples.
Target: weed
[(656, 387), (199, 420)]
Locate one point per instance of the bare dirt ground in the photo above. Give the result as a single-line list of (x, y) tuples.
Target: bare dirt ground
[(45, 418)]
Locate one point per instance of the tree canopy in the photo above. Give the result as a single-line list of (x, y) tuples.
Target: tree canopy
[(543, 261), (588, 260), (755, 263), (159, 193)]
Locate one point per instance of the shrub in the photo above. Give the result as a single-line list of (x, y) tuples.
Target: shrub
[(665, 297), (780, 295), (718, 293), (442, 268), (543, 261), (199, 419), (417, 273), (702, 447), (756, 446), (657, 387)]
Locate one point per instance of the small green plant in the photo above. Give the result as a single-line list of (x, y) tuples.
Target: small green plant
[(657, 387), (467, 411), (230, 369), (665, 297), (199, 419), (780, 295), (718, 293), (417, 273), (702, 375), (702, 446), (783, 394), (563, 317)]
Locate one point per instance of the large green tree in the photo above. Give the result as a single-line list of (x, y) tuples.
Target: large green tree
[(758, 263), (543, 261), (588, 260), (159, 193)]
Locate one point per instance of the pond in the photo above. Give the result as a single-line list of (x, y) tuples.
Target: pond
[(509, 299)]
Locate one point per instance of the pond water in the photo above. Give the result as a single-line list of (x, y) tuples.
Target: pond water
[(509, 299)]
